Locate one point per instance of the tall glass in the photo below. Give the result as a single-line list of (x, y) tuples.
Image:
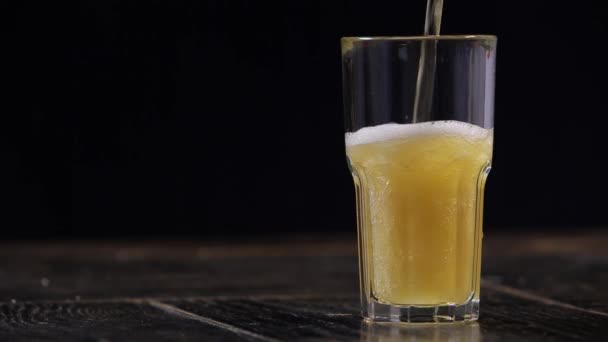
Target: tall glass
[(419, 118)]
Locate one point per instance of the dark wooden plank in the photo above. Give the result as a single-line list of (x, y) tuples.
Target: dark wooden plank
[(570, 266), (576, 280), (574, 241), (279, 319), (66, 270), (68, 278), (71, 272), (503, 317), (74, 321), (299, 289)]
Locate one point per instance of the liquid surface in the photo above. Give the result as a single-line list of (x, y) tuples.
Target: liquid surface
[(420, 197)]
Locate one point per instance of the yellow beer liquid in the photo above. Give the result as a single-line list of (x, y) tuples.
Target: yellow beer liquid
[(420, 203)]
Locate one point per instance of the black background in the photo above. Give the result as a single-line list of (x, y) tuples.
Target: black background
[(201, 118)]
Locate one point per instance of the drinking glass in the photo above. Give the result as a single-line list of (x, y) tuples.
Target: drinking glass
[(419, 120)]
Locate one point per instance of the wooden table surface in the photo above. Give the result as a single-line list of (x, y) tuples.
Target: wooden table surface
[(536, 287)]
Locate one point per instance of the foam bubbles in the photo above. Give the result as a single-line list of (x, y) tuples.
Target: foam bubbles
[(393, 131)]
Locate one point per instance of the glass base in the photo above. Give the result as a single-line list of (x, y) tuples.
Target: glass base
[(376, 311)]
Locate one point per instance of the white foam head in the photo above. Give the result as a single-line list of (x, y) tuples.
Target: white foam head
[(392, 131)]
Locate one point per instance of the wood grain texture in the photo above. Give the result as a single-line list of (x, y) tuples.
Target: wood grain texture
[(579, 281), (535, 288), (174, 268), (503, 317), (68, 278), (567, 266), (101, 322)]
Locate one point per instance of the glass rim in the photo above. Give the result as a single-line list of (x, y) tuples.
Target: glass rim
[(463, 37)]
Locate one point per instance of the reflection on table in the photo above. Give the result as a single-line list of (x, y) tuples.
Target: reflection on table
[(446, 332)]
